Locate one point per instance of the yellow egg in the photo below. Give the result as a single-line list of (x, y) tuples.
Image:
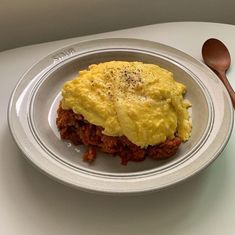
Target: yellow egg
[(140, 101)]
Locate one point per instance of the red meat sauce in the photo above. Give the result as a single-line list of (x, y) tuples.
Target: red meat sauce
[(74, 128)]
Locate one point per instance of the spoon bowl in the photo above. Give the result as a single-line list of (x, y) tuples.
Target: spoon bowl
[(216, 56)]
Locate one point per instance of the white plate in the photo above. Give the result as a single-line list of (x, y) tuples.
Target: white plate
[(32, 114)]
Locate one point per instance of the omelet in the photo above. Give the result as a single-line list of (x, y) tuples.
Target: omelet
[(140, 101)]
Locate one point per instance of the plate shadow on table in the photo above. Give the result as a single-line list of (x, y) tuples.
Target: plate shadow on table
[(175, 206)]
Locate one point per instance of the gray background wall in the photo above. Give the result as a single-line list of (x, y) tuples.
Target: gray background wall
[(24, 22)]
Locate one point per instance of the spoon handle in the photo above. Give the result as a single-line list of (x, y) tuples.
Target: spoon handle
[(228, 86)]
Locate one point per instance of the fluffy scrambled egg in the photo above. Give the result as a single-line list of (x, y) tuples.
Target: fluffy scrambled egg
[(141, 101)]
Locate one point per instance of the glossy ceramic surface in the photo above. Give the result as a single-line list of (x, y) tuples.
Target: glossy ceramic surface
[(32, 114)]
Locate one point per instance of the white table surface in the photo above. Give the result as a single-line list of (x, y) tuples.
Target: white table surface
[(32, 203)]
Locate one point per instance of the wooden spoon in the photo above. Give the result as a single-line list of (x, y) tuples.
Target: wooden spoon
[(217, 57)]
